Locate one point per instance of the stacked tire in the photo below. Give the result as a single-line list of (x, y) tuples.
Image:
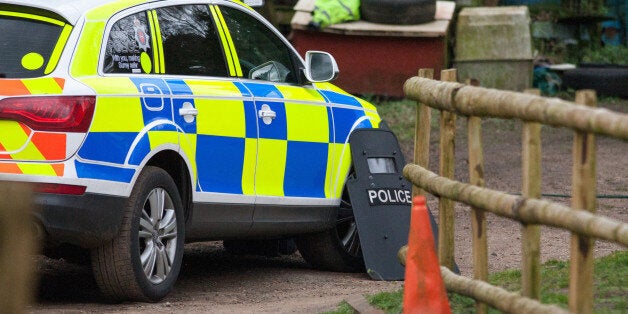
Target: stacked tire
[(605, 79), (399, 12)]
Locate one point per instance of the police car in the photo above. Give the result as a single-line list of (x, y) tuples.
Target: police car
[(145, 124)]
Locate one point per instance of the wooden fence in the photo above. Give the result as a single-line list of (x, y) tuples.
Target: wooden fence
[(455, 99)]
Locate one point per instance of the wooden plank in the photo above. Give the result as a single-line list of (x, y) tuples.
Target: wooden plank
[(583, 198), (363, 28), (301, 20), (478, 216), (305, 5), (360, 305), (16, 252), (447, 167), (531, 188), (422, 129)]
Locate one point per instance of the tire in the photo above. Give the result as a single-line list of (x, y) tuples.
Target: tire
[(399, 12), (337, 249), (151, 238), (606, 80)]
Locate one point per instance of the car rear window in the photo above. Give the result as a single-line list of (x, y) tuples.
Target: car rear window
[(26, 45)]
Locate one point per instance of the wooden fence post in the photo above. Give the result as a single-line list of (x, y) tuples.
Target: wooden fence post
[(447, 168), (478, 216), (17, 247), (422, 130), (531, 186), (583, 198)]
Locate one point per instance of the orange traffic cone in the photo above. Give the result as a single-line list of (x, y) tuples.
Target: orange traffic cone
[(424, 291)]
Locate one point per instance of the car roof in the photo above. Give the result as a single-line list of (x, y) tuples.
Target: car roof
[(70, 10)]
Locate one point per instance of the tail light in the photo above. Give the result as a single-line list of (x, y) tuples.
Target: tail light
[(50, 113), (53, 188)]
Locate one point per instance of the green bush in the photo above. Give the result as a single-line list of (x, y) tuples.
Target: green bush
[(609, 54)]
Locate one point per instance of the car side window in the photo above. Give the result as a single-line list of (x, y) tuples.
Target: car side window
[(191, 42), (262, 54), (129, 47)]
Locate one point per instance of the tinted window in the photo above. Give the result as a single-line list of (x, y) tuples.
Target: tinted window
[(262, 54), (26, 46), (129, 48), (190, 41)]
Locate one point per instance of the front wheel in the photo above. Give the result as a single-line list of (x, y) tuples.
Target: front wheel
[(336, 249), (142, 263)]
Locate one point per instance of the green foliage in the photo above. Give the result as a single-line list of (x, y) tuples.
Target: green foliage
[(508, 279), (609, 54), (343, 308), (388, 301), (611, 283), (460, 303)]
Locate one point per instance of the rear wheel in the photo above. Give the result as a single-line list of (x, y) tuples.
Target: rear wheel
[(142, 263), (337, 249)]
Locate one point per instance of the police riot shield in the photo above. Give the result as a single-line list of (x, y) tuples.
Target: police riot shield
[(381, 198)]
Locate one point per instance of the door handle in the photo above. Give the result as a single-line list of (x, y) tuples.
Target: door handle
[(188, 112), (266, 114)]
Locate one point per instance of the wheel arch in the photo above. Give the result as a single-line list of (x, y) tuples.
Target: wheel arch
[(174, 164)]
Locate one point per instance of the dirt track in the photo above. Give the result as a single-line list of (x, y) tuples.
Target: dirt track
[(214, 281)]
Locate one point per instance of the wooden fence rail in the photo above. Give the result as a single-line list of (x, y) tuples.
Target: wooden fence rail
[(483, 102), (501, 299), (523, 209), (474, 103)]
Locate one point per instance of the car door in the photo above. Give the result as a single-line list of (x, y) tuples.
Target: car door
[(293, 175), (217, 118)]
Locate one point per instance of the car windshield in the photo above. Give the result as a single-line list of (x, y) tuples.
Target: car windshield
[(26, 46)]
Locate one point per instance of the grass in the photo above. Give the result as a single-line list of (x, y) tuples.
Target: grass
[(400, 116), (610, 287)]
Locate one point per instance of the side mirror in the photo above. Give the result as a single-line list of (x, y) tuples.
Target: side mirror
[(320, 67)]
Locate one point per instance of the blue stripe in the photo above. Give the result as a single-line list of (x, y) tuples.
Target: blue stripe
[(250, 119), (219, 162), (101, 172), (144, 85), (179, 87), (306, 167), (264, 90), (141, 150), (245, 92), (107, 146), (340, 99), (343, 121), (330, 124)]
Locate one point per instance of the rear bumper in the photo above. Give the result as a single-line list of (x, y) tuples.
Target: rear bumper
[(84, 220)]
